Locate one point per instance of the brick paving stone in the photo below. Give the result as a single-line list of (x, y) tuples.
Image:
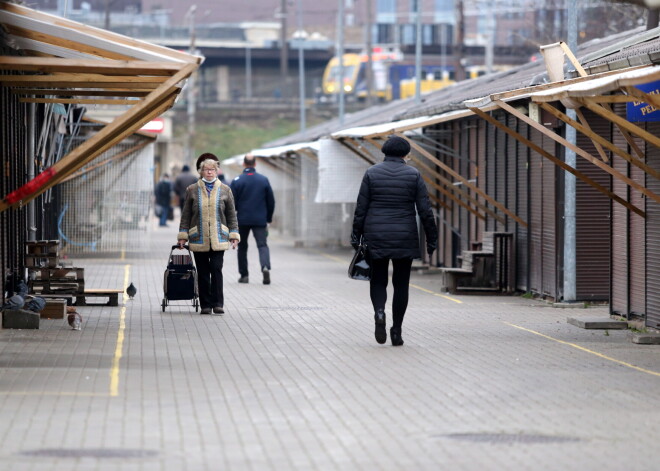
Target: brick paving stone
[(291, 378)]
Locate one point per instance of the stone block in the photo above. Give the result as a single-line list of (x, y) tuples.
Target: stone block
[(602, 323), (646, 338), (20, 319)]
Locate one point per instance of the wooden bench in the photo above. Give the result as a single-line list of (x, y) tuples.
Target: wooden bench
[(111, 294)]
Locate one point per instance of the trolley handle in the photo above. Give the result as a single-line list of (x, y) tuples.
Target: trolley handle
[(176, 247)]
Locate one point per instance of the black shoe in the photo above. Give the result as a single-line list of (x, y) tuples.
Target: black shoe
[(266, 273), (218, 310), (244, 279), (380, 333), (395, 337), (206, 310)]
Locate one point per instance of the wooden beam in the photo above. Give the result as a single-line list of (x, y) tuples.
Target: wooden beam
[(99, 33), (571, 57), (88, 66), (156, 103), (354, 147), (465, 182), (439, 202), (558, 162), (585, 123), (601, 140), (450, 195), (643, 96), (613, 99), (549, 86), (579, 151), (65, 43), (451, 187), (607, 114), (79, 101), (82, 80), (119, 156), (69, 92)]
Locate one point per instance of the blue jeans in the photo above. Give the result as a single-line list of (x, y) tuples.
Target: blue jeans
[(260, 235), (165, 211)]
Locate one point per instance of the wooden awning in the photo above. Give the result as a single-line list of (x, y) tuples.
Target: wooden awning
[(595, 93), (65, 62)]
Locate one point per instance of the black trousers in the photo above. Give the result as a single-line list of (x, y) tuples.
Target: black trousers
[(260, 235), (209, 278), (400, 281)]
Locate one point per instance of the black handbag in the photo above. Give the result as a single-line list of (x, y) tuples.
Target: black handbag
[(360, 269)]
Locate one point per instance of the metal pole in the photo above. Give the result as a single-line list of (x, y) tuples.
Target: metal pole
[(418, 51), (31, 172), (490, 40), (370, 59), (340, 55), (284, 51), (301, 68), (570, 264), (191, 91), (248, 72)]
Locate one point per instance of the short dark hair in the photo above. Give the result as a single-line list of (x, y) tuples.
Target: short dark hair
[(249, 160)]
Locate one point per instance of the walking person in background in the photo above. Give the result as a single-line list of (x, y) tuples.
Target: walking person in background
[(209, 225), (255, 204), (385, 220), (183, 181), (163, 194)]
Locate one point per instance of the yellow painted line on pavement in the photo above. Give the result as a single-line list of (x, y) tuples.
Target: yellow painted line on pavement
[(119, 347), (437, 294), (600, 355)]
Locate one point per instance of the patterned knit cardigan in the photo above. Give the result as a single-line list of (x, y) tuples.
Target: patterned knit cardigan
[(208, 221)]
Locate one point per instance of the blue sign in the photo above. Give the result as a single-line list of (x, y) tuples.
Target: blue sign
[(638, 111)]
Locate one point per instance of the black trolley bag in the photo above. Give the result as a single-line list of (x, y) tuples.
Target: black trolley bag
[(180, 279)]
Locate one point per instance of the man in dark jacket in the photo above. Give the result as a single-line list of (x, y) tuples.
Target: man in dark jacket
[(255, 204), (163, 194), (183, 181), (391, 195)]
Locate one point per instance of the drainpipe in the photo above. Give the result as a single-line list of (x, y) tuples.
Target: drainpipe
[(569, 179), (30, 159)]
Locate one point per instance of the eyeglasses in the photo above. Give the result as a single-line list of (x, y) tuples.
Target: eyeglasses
[(211, 169)]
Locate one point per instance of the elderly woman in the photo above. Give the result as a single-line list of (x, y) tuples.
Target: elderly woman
[(209, 225), (385, 219)]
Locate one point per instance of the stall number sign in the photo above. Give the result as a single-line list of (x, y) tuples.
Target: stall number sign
[(637, 111)]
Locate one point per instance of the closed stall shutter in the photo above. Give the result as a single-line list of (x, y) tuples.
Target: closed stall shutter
[(500, 169), (472, 169), (490, 172), (592, 221), (549, 234), (481, 162), (637, 247), (653, 236), (536, 196), (522, 242), (510, 174), (619, 300)]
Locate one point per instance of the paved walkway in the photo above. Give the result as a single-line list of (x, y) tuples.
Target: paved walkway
[(290, 378)]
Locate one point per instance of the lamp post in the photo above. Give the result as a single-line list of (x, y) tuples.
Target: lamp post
[(191, 105), (340, 57), (301, 67), (418, 51)]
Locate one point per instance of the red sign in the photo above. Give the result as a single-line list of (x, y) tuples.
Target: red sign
[(156, 126)]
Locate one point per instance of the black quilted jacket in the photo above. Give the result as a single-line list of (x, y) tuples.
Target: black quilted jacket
[(385, 212)]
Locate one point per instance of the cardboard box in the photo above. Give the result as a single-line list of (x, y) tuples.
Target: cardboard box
[(55, 309)]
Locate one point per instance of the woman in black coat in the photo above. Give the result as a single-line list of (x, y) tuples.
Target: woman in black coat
[(385, 219)]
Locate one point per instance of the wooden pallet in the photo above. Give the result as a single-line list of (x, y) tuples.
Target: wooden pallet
[(111, 294)]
